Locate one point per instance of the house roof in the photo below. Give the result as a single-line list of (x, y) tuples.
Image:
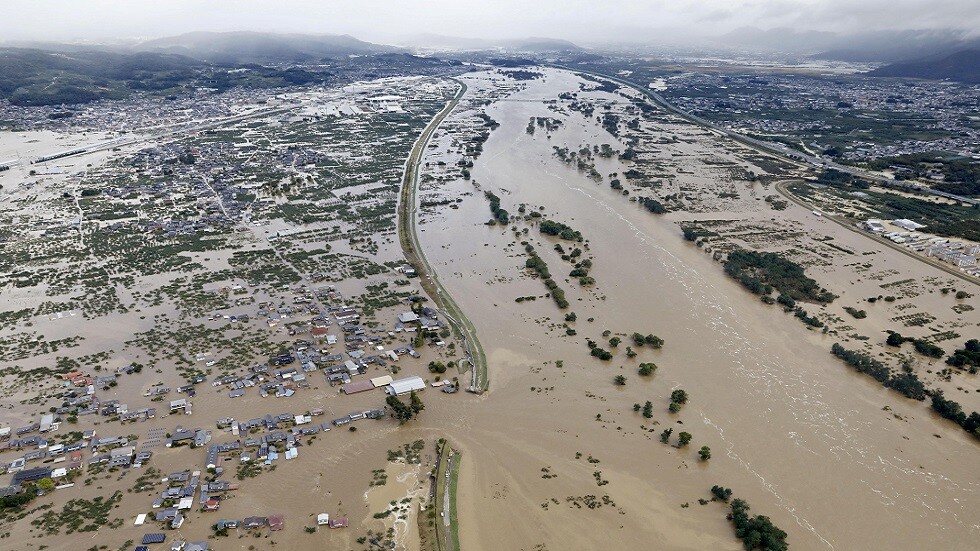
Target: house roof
[(408, 384), (155, 537), (357, 386)]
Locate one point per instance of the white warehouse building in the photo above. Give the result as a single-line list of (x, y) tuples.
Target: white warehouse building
[(406, 385)]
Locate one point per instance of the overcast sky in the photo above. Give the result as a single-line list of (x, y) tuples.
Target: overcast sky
[(390, 20)]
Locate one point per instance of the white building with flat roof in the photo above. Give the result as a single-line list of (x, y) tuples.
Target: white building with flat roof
[(907, 224)]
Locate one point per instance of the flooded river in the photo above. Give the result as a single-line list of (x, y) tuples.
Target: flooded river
[(835, 460)]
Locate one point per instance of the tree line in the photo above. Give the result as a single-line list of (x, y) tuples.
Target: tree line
[(906, 382)]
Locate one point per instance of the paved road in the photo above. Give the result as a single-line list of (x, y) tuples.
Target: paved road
[(786, 154), (408, 237), (185, 128), (446, 517), (849, 224), (782, 151)]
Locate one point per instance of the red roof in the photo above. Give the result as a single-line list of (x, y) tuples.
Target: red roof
[(276, 522), (358, 386), (339, 522)]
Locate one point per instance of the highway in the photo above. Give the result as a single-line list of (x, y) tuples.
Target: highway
[(135, 136), (780, 150), (798, 158)]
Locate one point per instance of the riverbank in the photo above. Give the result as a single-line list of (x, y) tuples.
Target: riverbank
[(792, 430), (408, 238)]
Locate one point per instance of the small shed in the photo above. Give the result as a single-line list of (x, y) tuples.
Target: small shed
[(339, 522), (322, 519)]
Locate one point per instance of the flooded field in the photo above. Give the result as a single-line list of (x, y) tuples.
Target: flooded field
[(557, 454), (834, 459)]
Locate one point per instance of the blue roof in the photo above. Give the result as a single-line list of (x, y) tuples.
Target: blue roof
[(154, 538)]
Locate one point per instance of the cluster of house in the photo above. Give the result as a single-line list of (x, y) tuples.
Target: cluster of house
[(117, 452), (277, 382), (179, 496), (83, 400), (275, 523), (304, 303), (39, 448), (392, 387), (962, 255), (182, 487), (177, 545), (67, 457), (283, 379)]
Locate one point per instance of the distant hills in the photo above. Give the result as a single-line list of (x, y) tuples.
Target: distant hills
[(962, 66), (928, 54), (257, 47), (56, 74), (872, 46), (521, 45), (42, 77), (896, 46)]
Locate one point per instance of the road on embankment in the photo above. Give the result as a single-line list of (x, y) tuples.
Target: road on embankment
[(408, 237), (774, 151), (849, 224), (780, 151)]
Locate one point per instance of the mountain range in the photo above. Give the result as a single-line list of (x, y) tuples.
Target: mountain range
[(257, 47), (962, 66)]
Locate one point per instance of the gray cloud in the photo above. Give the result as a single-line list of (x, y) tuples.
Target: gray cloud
[(577, 20)]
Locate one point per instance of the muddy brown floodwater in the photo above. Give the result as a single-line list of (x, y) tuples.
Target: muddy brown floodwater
[(800, 437)]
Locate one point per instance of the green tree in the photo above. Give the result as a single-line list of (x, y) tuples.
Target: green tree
[(678, 396), (416, 404), (46, 484), (648, 409), (705, 453), (665, 435), (683, 439), (721, 492), (437, 367), (620, 380), (400, 410), (614, 342), (654, 341), (630, 353), (647, 369), (674, 407), (894, 339)]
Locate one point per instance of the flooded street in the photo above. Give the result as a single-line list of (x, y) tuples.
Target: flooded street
[(796, 434)]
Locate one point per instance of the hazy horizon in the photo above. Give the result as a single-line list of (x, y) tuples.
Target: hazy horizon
[(393, 22)]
